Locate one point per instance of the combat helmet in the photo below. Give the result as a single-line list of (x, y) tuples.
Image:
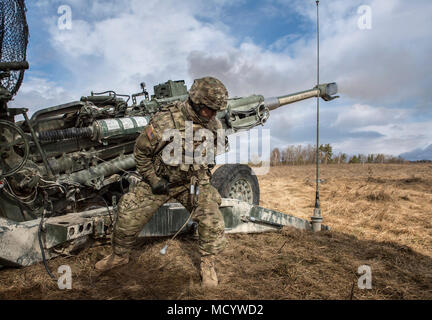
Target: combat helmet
[(210, 92)]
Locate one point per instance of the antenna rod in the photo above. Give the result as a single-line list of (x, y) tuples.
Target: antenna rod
[(317, 218)]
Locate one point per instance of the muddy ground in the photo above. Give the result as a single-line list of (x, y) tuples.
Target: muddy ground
[(380, 216)]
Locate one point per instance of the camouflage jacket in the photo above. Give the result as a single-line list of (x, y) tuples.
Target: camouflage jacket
[(150, 145)]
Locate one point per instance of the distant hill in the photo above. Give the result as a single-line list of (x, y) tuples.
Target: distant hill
[(418, 154)]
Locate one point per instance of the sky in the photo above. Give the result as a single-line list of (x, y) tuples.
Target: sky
[(379, 60)]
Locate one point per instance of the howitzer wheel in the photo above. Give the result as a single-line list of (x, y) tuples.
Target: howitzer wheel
[(237, 181), (11, 136)]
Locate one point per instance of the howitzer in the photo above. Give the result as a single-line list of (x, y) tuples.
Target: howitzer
[(63, 170), (76, 160)]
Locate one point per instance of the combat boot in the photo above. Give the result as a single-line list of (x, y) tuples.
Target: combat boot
[(111, 261), (208, 274)]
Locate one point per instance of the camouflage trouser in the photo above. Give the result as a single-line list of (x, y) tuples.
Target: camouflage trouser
[(138, 207)]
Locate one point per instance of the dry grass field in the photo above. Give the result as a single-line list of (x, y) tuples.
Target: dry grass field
[(380, 216)]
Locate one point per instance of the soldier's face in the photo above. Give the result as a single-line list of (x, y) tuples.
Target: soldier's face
[(208, 113)]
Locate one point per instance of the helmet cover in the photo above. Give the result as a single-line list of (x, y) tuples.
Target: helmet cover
[(210, 92)]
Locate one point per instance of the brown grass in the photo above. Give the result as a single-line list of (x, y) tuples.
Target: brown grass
[(379, 215)]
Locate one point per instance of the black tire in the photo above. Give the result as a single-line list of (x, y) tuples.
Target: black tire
[(237, 181)]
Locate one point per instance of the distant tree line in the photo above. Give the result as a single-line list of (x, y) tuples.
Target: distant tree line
[(421, 161), (301, 155)]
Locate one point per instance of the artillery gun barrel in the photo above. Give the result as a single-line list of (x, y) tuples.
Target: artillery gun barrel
[(248, 112), (325, 91), (274, 103)]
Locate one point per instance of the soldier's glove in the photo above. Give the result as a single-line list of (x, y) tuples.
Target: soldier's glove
[(160, 187)]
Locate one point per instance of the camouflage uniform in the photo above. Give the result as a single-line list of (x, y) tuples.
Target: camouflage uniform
[(137, 207)]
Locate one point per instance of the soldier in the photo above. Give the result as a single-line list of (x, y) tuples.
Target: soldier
[(162, 181)]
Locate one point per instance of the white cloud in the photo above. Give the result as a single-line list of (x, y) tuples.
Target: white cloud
[(386, 64), (136, 43), (359, 115), (36, 93), (383, 63), (397, 138)]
